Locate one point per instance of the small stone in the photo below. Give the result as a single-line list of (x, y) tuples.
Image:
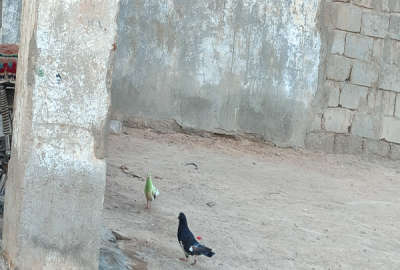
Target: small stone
[(115, 127), (211, 204), (119, 237)]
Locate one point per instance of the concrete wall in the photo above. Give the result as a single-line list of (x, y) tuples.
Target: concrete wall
[(291, 71), (57, 172), (230, 66), (360, 110), (11, 17)]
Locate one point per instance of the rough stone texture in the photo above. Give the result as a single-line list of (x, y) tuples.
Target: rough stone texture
[(377, 51), (375, 101), (368, 64), (333, 89), (320, 142), (389, 100), (346, 144), (375, 24), (206, 71), (364, 3), (394, 27), (389, 78), (227, 66), (391, 52), (391, 129), (358, 46), (337, 41), (386, 51), (338, 68), (316, 124), (371, 57), (348, 17), (353, 95), (337, 120), (11, 17), (365, 74), (111, 257), (379, 148), (54, 198), (395, 152), (391, 5), (367, 125)]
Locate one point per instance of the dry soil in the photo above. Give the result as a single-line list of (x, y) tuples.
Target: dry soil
[(274, 208)]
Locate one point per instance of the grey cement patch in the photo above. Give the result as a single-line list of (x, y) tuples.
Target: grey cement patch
[(234, 66)]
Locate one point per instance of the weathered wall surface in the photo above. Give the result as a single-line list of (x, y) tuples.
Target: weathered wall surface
[(57, 173), (250, 66), (361, 109), (11, 17), (231, 66)]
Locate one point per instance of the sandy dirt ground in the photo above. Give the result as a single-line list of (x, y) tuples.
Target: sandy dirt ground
[(274, 208)]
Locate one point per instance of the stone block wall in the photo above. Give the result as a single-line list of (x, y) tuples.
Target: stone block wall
[(361, 86), (260, 76)]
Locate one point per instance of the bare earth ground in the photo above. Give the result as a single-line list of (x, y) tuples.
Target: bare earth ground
[(275, 208)]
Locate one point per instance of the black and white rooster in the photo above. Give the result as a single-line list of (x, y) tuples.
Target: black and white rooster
[(188, 243)]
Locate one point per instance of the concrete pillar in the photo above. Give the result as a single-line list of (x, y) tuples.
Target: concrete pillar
[(11, 18), (55, 190)]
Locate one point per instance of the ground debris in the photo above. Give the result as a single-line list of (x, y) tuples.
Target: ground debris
[(259, 201), (120, 237), (211, 204), (125, 170), (196, 167)]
